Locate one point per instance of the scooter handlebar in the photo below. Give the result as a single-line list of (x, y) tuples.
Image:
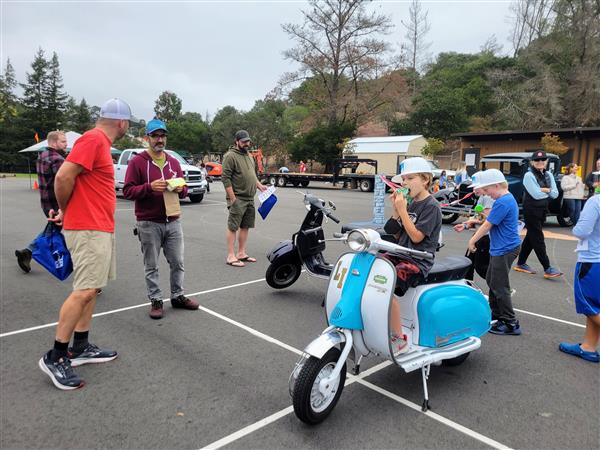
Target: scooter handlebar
[(332, 217)]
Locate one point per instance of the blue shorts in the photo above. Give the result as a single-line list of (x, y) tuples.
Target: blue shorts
[(587, 288)]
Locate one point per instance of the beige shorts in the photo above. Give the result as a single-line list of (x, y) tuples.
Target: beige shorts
[(94, 258)]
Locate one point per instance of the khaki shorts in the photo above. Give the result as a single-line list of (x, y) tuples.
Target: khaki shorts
[(241, 214), (94, 258)]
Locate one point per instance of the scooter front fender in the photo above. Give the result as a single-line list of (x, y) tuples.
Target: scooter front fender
[(284, 251), (324, 343)]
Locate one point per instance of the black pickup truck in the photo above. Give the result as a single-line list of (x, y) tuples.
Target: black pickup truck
[(514, 166)]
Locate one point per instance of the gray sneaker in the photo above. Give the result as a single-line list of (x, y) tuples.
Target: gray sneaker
[(92, 354), (60, 372)]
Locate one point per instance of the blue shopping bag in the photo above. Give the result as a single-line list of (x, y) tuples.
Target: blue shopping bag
[(267, 205), (51, 252)]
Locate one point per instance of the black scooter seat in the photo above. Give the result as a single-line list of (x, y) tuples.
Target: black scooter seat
[(449, 268)]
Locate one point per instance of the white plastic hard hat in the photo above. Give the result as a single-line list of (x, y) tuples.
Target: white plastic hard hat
[(491, 176), (476, 179), (412, 165)]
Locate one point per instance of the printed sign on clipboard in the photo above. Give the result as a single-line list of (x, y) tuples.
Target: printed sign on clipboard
[(267, 200)]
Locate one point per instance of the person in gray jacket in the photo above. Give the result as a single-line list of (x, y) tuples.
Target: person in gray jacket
[(573, 192)]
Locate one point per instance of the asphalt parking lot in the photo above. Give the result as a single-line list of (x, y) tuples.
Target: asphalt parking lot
[(219, 376)]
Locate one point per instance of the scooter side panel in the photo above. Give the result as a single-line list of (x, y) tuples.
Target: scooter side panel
[(336, 282), (347, 312), (375, 306), (285, 249), (450, 313)]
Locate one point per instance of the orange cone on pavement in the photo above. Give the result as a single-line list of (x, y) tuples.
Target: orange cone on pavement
[(35, 185)]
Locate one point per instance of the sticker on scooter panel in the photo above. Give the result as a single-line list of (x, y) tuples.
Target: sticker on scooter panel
[(337, 271), (342, 276), (381, 279)]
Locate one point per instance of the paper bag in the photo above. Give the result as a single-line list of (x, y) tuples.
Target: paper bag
[(172, 206)]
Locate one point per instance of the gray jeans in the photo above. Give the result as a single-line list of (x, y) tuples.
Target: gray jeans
[(168, 236), (498, 281)]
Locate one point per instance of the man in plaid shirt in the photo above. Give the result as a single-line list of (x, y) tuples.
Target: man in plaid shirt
[(47, 165)]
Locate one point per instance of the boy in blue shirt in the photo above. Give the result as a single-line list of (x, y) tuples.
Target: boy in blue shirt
[(505, 243)]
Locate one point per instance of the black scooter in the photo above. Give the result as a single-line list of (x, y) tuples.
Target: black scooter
[(304, 249)]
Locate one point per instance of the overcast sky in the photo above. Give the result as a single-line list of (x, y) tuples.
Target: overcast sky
[(211, 54)]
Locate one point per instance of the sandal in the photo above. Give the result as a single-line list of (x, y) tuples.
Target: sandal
[(576, 350), (247, 259), (236, 263)]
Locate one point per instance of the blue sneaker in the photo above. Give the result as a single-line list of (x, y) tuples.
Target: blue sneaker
[(551, 272), (60, 372), (576, 350), (506, 328), (525, 268)]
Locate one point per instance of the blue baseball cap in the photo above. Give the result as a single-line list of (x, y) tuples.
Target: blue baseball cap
[(154, 125)]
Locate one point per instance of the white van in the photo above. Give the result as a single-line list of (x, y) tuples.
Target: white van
[(195, 181)]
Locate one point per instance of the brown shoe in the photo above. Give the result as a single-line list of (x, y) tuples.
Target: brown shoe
[(156, 310), (183, 302)]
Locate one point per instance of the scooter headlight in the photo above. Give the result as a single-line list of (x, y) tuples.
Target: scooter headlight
[(358, 241)]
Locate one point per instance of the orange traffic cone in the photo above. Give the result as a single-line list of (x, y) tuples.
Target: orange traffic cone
[(35, 185)]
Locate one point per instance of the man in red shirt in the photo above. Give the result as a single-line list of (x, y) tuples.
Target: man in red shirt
[(85, 191)]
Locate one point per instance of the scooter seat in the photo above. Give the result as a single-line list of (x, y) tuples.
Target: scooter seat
[(449, 268)]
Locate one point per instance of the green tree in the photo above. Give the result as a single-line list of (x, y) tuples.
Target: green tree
[(14, 135), (226, 122), (269, 126), (34, 99), (322, 143), (433, 147), (190, 133), (83, 117), (54, 96), (8, 99), (168, 106)]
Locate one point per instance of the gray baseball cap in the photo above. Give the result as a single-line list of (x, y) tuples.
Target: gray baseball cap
[(117, 109), (243, 136)]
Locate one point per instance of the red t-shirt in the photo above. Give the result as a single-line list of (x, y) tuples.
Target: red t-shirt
[(93, 202)]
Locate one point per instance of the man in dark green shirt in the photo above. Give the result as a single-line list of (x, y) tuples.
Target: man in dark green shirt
[(240, 182)]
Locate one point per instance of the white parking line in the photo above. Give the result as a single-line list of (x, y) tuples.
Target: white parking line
[(127, 308), (284, 412), (549, 318), (458, 427)]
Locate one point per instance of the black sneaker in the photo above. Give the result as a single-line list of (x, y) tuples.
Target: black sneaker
[(183, 302), (506, 328), (61, 373), (24, 259), (91, 355)]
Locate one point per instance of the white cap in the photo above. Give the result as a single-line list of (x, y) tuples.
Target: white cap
[(476, 179), (117, 109), (489, 177), (412, 165)]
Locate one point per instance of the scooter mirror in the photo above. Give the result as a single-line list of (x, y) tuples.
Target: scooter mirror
[(332, 205)]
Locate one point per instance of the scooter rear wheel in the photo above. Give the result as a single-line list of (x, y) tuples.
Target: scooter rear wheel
[(310, 405), (280, 276)]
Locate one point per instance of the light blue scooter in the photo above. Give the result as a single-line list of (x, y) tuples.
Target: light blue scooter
[(442, 321)]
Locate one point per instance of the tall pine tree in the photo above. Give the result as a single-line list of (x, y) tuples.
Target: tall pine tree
[(83, 117), (54, 97), (34, 91), (8, 99)]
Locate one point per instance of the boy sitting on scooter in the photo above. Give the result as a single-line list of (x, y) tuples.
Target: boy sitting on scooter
[(415, 223), (505, 243)]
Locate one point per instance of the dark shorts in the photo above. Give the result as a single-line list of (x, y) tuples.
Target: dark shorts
[(241, 214), (587, 288)]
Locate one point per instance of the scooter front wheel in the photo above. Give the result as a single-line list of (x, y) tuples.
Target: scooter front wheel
[(280, 276), (310, 404)]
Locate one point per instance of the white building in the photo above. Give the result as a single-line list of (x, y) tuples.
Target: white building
[(388, 151)]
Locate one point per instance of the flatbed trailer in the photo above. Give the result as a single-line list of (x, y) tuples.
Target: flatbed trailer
[(363, 181)]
